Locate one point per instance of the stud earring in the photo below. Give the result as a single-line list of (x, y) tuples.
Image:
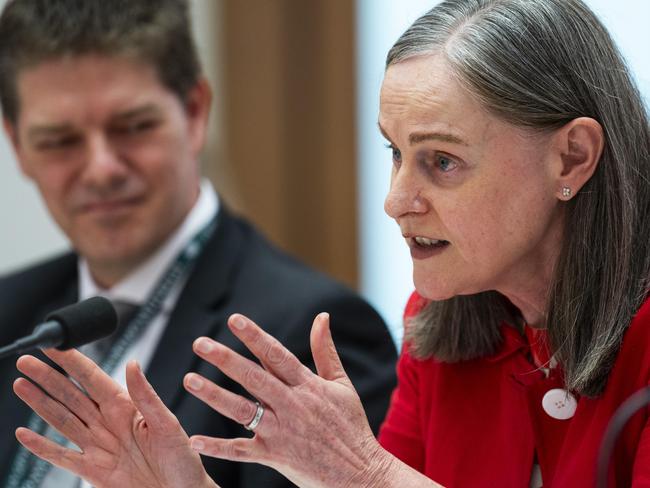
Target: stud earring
[(566, 192)]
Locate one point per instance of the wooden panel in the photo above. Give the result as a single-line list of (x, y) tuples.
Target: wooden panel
[(252, 101), (288, 101)]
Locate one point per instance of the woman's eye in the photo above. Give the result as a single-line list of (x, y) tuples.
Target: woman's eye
[(446, 164), (397, 154)]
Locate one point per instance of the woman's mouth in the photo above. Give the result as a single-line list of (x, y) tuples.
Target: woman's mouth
[(425, 247), (426, 242)]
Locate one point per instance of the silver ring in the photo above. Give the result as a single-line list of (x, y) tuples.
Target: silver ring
[(256, 420)]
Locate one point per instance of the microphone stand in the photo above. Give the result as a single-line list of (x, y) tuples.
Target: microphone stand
[(621, 417), (49, 334)]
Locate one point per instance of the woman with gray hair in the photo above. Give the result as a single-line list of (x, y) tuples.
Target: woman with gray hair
[(521, 184)]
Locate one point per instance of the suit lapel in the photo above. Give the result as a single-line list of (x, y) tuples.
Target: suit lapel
[(200, 310), (62, 292)]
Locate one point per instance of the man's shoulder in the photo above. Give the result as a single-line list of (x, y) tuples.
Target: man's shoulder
[(29, 286), (267, 283), (58, 265), (270, 267)]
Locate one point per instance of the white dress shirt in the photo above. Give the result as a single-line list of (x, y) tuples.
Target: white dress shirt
[(136, 288)]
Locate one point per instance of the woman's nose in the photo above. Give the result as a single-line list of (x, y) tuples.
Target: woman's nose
[(405, 194)]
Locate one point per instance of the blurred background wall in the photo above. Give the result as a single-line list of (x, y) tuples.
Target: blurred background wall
[(293, 140)]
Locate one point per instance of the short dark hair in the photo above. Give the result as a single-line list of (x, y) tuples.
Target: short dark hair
[(157, 32)]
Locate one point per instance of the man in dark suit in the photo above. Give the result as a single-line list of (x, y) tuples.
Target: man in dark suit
[(106, 109)]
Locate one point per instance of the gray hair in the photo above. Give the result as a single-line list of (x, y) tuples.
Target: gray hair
[(540, 64)]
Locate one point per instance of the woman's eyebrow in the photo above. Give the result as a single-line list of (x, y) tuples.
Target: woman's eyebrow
[(416, 137)]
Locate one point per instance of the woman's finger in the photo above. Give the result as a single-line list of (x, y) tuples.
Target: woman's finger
[(240, 449), (271, 353), (60, 388), (50, 451), (327, 360), (99, 386), (148, 403), (255, 379), (228, 404), (53, 412)]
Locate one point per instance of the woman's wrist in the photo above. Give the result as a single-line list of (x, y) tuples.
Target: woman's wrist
[(387, 471), (380, 469)]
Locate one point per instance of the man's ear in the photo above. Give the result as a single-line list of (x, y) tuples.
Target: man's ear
[(579, 145), (197, 106), (11, 131)]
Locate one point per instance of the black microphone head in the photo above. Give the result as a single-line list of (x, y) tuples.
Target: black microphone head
[(85, 321)]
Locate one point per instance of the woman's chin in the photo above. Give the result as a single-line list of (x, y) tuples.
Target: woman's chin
[(439, 290), (434, 293)]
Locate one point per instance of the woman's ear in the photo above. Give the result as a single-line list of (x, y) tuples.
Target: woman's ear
[(580, 144)]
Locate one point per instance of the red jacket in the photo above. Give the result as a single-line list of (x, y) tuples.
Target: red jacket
[(481, 422)]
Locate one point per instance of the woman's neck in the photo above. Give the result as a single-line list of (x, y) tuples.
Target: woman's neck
[(528, 284), (531, 308)]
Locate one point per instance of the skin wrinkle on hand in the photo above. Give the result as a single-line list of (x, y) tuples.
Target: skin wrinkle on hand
[(304, 399), (124, 441), (153, 429)]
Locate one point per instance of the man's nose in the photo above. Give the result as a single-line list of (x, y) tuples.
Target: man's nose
[(104, 166), (405, 194)]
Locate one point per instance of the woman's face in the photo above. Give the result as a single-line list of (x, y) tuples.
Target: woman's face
[(474, 196)]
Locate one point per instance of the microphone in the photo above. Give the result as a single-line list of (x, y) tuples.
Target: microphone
[(68, 327)]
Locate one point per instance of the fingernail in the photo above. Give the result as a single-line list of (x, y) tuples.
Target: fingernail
[(197, 444), (205, 346), (194, 382), (239, 322)]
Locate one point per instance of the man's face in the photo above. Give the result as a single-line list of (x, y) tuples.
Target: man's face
[(113, 153)]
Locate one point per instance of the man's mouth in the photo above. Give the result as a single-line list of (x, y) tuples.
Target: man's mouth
[(108, 206)]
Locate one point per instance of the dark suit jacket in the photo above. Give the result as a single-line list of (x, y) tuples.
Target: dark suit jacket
[(238, 271)]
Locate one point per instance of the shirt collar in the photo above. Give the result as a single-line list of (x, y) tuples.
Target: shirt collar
[(137, 286), (512, 342)]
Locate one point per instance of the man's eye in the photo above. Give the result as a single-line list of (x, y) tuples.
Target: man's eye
[(57, 142), (136, 127)]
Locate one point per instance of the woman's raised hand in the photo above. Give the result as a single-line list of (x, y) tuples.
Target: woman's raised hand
[(313, 429), (126, 439)]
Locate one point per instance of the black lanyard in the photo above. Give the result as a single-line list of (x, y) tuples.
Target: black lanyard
[(28, 471)]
